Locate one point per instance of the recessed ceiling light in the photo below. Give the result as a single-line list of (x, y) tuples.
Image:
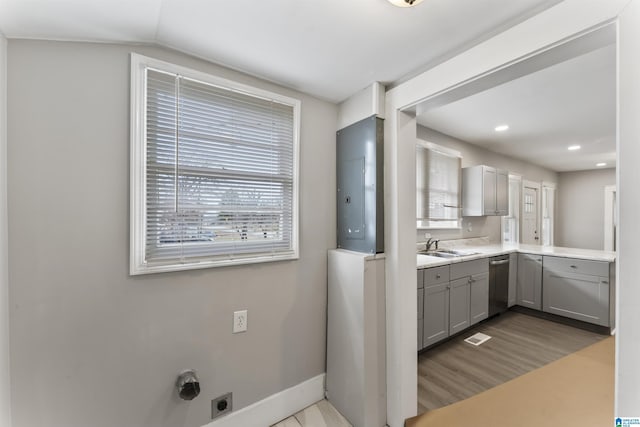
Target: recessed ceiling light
[(405, 3), (573, 147), (601, 164), (501, 128)]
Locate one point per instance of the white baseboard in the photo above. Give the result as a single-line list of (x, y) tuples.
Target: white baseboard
[(276, 407)]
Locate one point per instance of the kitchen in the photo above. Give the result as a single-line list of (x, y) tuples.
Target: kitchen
[(401, 122), (532, 190)]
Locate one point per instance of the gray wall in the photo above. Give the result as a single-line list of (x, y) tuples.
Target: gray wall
[(5, 401), (473, 155), (92, 346), (580, 208)]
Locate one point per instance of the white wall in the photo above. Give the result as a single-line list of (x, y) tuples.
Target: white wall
[(365, 103), (628, 314), (580, 208), (95, 347), (474, 155), (5, 392)]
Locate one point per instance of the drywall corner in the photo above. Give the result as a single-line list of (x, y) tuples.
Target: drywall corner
[(366, 103)]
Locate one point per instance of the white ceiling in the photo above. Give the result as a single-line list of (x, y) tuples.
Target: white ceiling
[(327, 48), (334, 48), (570, 103)]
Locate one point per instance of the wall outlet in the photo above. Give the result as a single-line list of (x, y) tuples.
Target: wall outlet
[(221, 405), (239, 321)]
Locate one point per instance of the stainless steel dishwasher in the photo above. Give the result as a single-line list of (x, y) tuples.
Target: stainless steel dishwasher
[(498, 284)]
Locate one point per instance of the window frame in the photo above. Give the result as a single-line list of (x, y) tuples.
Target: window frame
[(511, 216), (138, 165)]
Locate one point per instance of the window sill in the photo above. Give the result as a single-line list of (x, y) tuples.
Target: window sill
[(146, 268)]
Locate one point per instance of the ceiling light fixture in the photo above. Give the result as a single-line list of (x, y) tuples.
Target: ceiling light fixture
[(405, 3), (501, 128), (573, 147), (601, 164)]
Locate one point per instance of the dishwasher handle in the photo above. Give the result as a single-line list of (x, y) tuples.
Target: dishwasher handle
[(504, 261)]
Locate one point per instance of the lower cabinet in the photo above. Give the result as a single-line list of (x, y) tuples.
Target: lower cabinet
[(458, 305), (455, 297), (529, 281), (420, 307), (513, 278), (479, 297), (578, 289), (435, 306), (436, 314)]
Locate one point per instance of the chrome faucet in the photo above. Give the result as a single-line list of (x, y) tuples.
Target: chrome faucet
[(431, 242)]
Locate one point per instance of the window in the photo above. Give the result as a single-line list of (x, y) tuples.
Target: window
[(510, 223), (548, 207), (438, 186), (213, 171)]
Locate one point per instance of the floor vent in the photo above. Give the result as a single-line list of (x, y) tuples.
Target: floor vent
[(477, 339)]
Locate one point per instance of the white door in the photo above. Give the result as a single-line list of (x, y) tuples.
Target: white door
[(530, 233)]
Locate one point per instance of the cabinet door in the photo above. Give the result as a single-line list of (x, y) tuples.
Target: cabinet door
[(529, 281), (479, 298), (489, 190), (578, 296), (459, 305), (436, 314), (502, 193), (513, 278)]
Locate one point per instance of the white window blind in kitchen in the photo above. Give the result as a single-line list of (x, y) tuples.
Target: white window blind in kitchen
[(438, 185), (220, 172)]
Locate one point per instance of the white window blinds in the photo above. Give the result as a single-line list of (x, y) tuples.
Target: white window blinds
[(219, 174), (438, 185)]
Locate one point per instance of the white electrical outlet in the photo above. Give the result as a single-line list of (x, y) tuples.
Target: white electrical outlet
[(239, 321)]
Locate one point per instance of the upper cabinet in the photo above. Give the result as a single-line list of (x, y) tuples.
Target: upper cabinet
[(485, 191)]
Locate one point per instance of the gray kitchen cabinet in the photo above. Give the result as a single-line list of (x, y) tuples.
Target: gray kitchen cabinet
[(479, 298), (435, 308), (578, 289), (485, 191), (513, 279), (436, 313), (476, 273), (459, 305), (529, 281), (420, 299)]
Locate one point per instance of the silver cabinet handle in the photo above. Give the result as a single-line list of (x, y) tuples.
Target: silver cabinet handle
[(573, 266), (437, 276)]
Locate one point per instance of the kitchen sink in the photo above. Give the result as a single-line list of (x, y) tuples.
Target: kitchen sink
[(446, 253)]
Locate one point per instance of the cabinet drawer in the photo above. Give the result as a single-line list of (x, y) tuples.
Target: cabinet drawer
[(420, 304), (579, 266), (420, 278), (435, 275), (468, 268)]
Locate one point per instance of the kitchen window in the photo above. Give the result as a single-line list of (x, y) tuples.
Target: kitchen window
[(511, 222), (438, 186), (548, 208), (214, 171)]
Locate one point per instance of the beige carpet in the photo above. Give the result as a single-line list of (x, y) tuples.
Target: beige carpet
[(575, 391)]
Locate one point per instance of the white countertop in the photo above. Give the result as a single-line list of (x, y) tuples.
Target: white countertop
[(483, 251)]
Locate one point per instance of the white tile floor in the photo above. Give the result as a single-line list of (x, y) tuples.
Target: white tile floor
[(321, 414)]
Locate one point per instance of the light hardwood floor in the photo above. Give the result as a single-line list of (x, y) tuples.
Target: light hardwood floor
[(322, 414), (520, 343)]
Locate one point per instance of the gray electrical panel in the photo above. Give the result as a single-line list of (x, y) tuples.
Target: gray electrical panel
[(360, 186)]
